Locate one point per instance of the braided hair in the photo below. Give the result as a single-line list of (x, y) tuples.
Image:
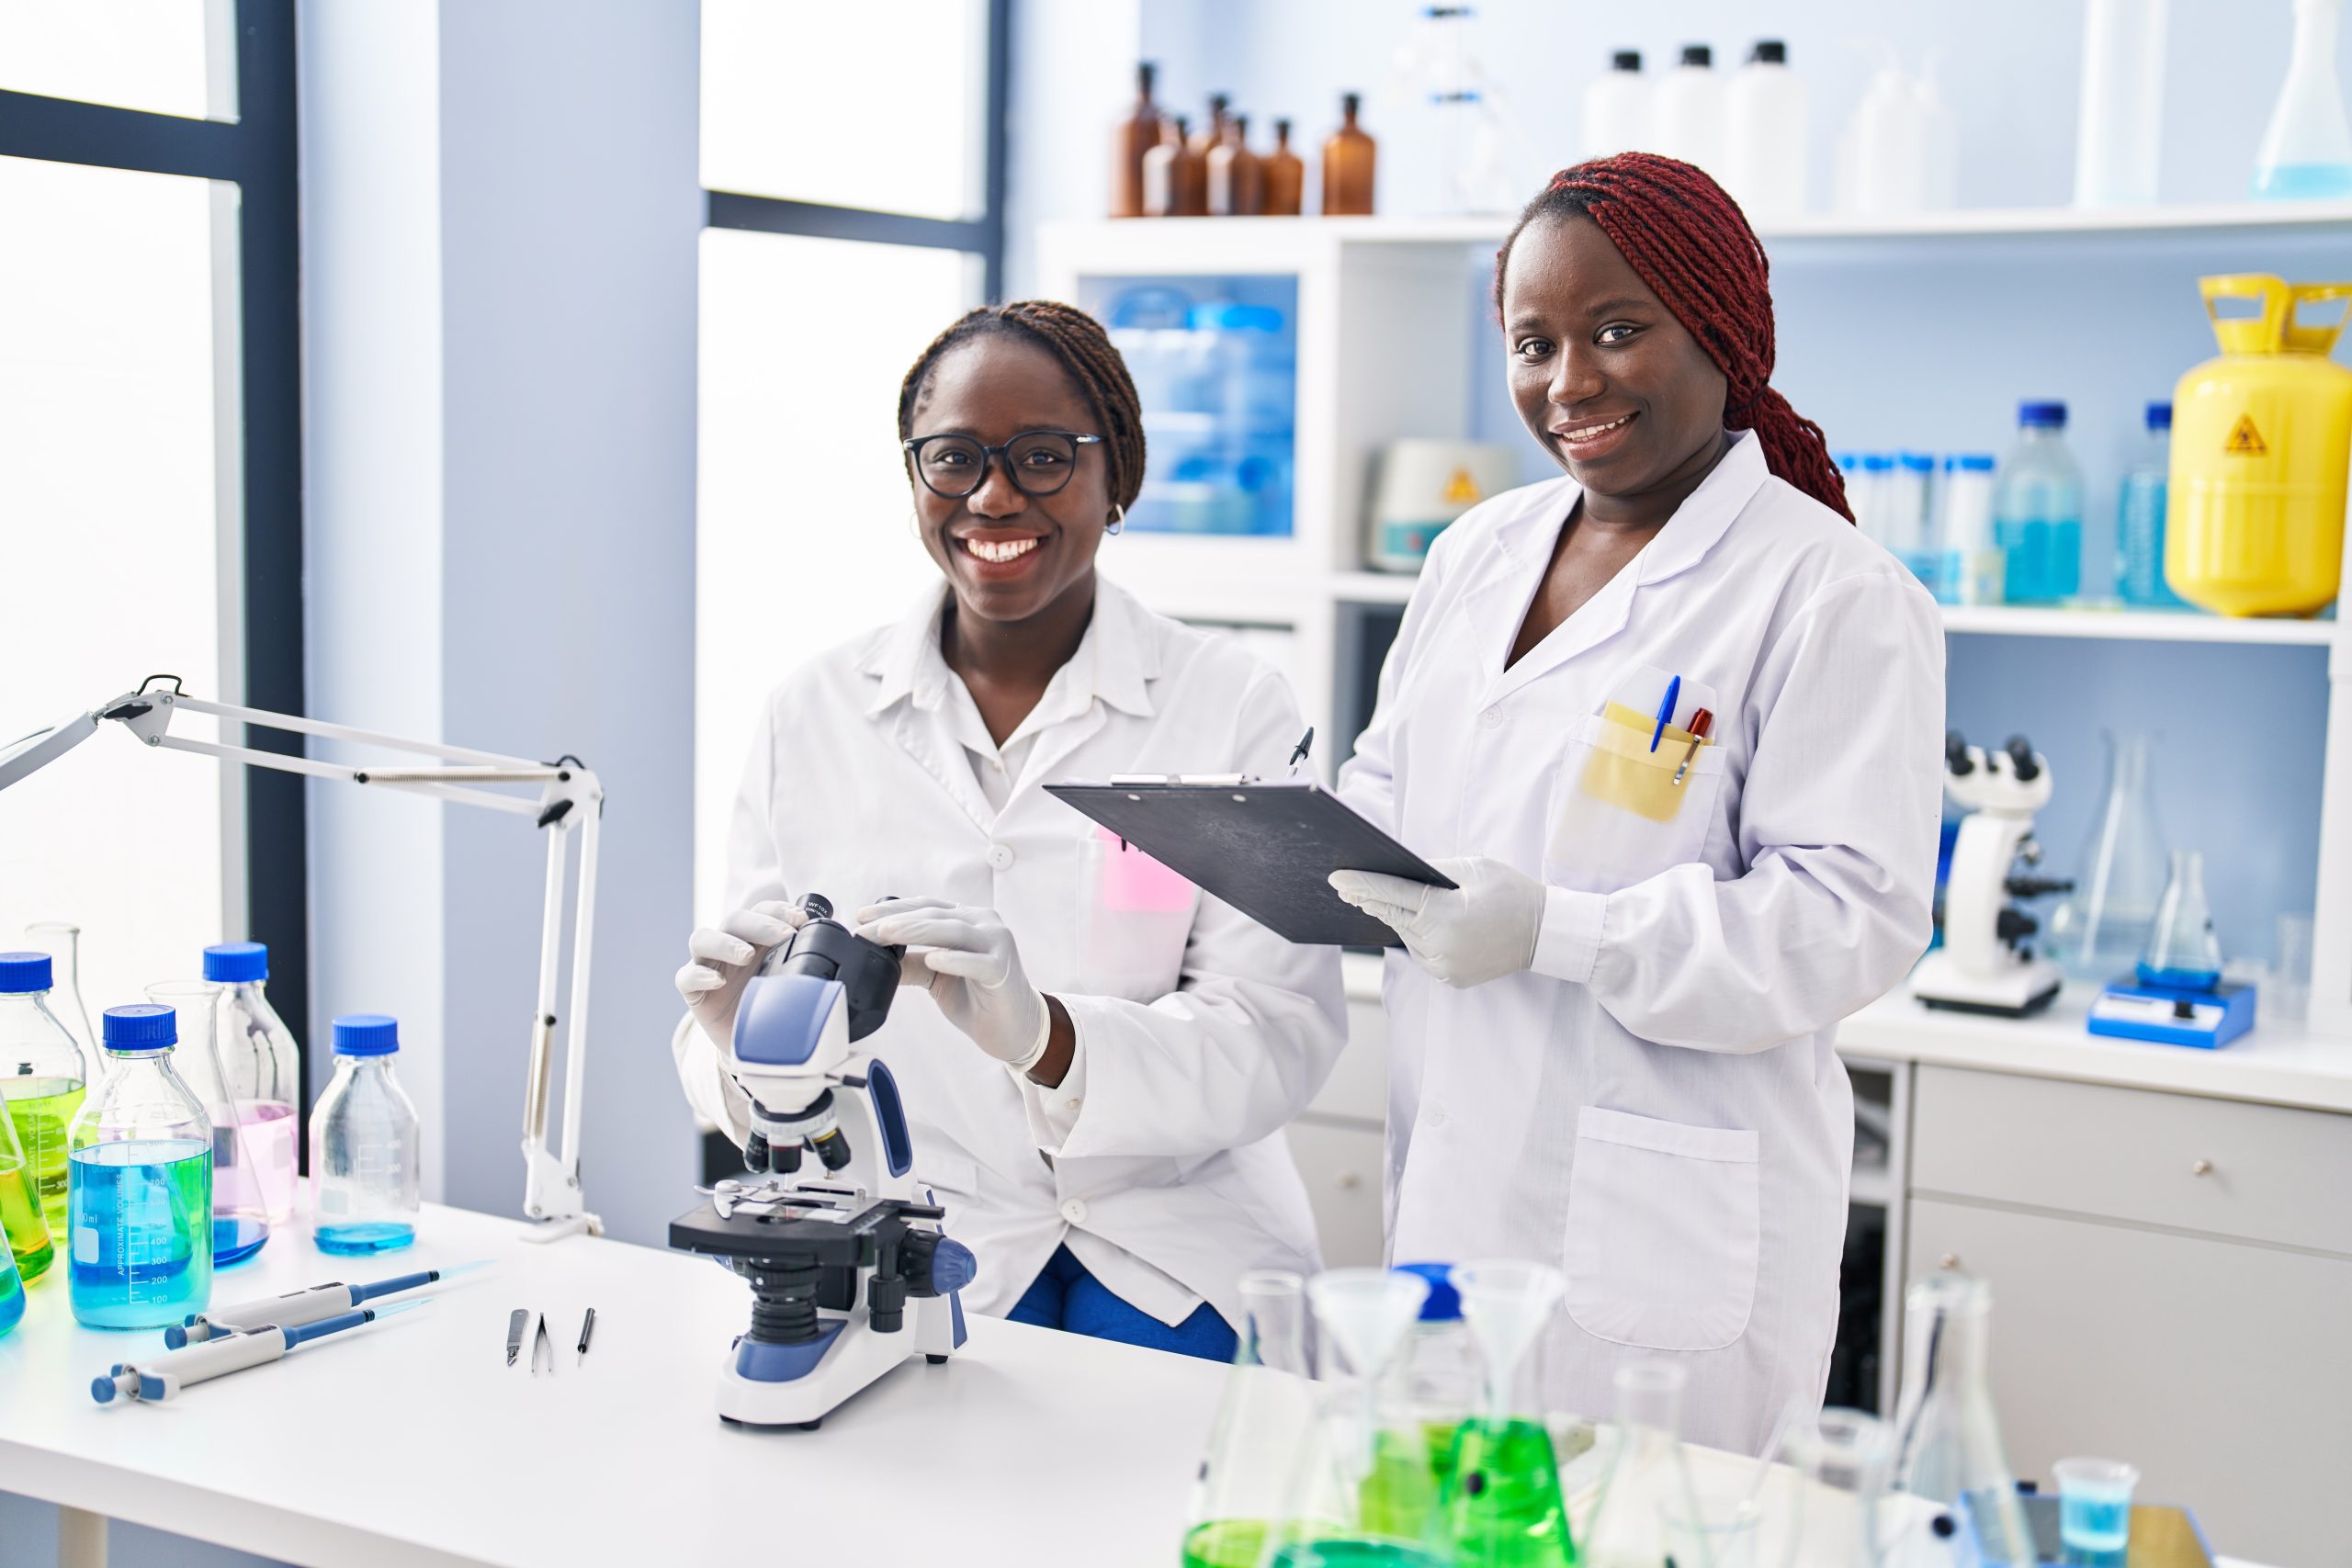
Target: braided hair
[(1083, 349), (1692, 245)]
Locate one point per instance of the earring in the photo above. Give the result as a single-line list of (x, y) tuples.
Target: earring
[(1118, 519)]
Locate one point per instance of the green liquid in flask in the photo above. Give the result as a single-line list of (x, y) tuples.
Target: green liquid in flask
[(1440, 1436), (43, 1108), (1226, 1543), (20, 1218), (1504, 1509), (1351, 1553)]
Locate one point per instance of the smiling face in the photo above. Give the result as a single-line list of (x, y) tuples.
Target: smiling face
[(1613, 385), (1009, 555)]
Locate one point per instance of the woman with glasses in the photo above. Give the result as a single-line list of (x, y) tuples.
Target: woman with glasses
[(1098, 1076)]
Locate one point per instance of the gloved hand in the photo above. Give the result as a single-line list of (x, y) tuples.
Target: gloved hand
[(968, 960), (1480, 930), (724, 960)]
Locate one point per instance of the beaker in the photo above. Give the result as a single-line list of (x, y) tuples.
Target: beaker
[(62, 938), (1833, 1500), (240, 1222), (43, 1076), (24, 1229), (1948, 1439), (2183, 953), (1502, 1502), (2098, 933), (140, 1203), (1650, 1481), (1265, 1421), (1362, 1493)]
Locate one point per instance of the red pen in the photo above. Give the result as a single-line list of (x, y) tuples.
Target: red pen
[(1701, 723)]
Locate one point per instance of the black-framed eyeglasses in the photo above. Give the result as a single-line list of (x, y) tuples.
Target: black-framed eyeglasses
[(1039, 462)]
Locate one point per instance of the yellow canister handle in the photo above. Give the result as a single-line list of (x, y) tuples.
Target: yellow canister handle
[(2319, 340), (2249, 334)]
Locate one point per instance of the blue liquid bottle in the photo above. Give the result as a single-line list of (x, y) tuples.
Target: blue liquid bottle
[(2037, 511), (12, 1290), (139, 1189), (2139, 520), (364, 1193)]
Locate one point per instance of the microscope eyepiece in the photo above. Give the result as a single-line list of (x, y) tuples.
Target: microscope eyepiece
[(817, 907)]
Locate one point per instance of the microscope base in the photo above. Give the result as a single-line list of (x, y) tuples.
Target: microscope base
[(2017, 992), (833, 1369)]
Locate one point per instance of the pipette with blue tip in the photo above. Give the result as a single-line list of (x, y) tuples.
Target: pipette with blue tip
[(158, 1378), (298, 1307)]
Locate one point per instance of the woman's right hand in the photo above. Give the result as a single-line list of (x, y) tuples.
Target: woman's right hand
[(725, 959)]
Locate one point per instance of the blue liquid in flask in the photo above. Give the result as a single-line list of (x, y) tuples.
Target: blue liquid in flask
[(236, 1237), (12, 1290), (140, 1220), (363, 1240)]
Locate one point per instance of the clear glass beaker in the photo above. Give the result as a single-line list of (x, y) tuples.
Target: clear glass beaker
[(62, 938), (1947, 1439), (2100, 930), (2183, 953), (1833, 1516), (43, 1076), (240, 1222), (2306, 151), (139, 1206), (1649, 1484), (1502, 1502), (1265, 1421)]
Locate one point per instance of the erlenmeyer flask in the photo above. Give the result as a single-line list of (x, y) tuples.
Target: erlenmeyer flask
[(61, 940), (1948, 1439), (2183, 952), (2098, 933), (240, 1219), (1650, 1482), (1266, 1420), (24, 1229), (1436, 1375), (1839, 1462), (1362, 1494), (1502, 1502)]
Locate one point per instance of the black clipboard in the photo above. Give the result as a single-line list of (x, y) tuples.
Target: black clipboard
[(1266, 847)]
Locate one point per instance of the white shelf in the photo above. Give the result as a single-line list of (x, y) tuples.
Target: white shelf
[(1372, 587), (2134, 625)]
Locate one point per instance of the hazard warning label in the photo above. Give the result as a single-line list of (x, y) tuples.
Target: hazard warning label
[(2244, 440), (1460, 490)]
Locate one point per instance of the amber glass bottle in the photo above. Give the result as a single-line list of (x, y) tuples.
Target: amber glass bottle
[(1285, 176), (1347, 165), (1208, 136), (1175, 182), (1236, 175), (1130, 139)]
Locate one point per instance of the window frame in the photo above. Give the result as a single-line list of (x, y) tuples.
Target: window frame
[(259, 153)]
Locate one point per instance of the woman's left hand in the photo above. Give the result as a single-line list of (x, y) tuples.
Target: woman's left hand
[(968, 960), (1480, 929)]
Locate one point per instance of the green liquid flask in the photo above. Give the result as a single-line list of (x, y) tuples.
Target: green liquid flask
[(1265, 1422), (1503, 1507), (22, 1225), (43, 1076)]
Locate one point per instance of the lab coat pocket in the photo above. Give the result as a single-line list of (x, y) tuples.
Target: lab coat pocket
[(1618, 817), (1134, 918), (1664, 1225)]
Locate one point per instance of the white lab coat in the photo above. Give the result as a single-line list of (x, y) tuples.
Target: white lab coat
[(1655, 1106), (1160, 1159)]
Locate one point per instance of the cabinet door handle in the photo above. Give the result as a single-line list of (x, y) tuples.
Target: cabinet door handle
[(1949, 1260), (2202, 1167), (1349, 1181)]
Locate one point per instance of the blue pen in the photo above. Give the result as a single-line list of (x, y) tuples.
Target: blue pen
[(1665, 711)]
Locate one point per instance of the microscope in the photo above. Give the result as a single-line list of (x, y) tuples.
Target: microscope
[(850, 1272), (1985, 964)]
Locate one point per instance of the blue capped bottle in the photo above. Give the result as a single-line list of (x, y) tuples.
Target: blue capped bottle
[(2139, 520), (364, 1193), (2038, 510), (138, 1191)]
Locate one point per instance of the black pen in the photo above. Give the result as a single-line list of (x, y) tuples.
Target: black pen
[(587, 1326), (1298, 752)]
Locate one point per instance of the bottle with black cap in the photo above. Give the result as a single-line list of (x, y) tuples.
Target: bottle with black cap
[(1691, 111), (1766, 135), (1616, 112)]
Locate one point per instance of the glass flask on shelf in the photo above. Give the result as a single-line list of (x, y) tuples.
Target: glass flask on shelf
[(1502, 1502), (1132, 137), (1265, 1422), (2038, 510), (1946, 1438), (140, 1203), (1174, 176), (43, 1077), (2101, 928), (1212, 130), (62, 938), (2307, 150), (2183, 953), (1237, 177), (24, 1229), (259, 1052), (1286, 176), (1349, 156), (2139, 518), (1650, 1484), (240, 1224), (364, 1191)]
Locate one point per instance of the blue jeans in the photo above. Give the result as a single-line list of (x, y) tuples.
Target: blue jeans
[(1065, 1296)]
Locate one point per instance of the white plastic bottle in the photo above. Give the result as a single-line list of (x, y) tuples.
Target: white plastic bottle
[(1973, 568), (1883, 154), (1691, 111), (2307, 151), (1767, 135), (2119, 128), (1617, 109)]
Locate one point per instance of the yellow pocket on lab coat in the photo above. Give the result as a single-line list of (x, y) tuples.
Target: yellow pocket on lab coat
[(1619, 816)]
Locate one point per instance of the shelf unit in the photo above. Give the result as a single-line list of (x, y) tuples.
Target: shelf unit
[(1386, 309)]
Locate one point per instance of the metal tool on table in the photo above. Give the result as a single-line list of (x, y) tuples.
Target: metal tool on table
[(298, 1307), (161, 1376), (527, 1338), (1985, 964), (849, 1269)]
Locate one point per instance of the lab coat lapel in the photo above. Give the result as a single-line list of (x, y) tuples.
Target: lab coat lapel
[(922, 733), (1498, 606), (908, 698)]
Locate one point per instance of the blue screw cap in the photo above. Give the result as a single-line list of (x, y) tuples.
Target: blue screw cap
[(2043, 413), (1443, 1304), (21, 972), (367, 1034), (143, 1026), (234, 963), (2159, 416)]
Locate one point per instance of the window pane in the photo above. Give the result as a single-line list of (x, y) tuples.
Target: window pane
[(875, 107), (107, 511), (805, 535), (165, 56)]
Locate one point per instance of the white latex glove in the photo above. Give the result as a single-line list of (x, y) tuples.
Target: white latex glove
[(968, 960), (726, 958), (1481, 931)]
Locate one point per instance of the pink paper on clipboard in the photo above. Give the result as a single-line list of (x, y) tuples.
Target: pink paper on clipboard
[(1132, 881)]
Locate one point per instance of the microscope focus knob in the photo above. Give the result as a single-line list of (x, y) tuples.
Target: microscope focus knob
[(2011, 924), (933, 1265)]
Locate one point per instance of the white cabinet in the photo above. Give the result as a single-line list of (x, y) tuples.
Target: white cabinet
[(1341, 1164)]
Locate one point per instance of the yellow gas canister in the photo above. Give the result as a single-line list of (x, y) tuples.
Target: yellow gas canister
[(2261, 439)]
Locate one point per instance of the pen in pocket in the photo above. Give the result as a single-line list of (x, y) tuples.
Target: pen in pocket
[(1702, 723)]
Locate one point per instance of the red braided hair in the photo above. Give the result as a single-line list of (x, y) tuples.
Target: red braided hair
[(1692, 245)]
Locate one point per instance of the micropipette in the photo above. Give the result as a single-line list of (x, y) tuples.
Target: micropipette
[(298, 1307), (161, 1378)]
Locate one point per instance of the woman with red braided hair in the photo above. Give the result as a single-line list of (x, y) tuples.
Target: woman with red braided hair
[(1674, 728)]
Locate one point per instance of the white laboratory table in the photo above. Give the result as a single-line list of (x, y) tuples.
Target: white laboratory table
[(411, 1442)]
